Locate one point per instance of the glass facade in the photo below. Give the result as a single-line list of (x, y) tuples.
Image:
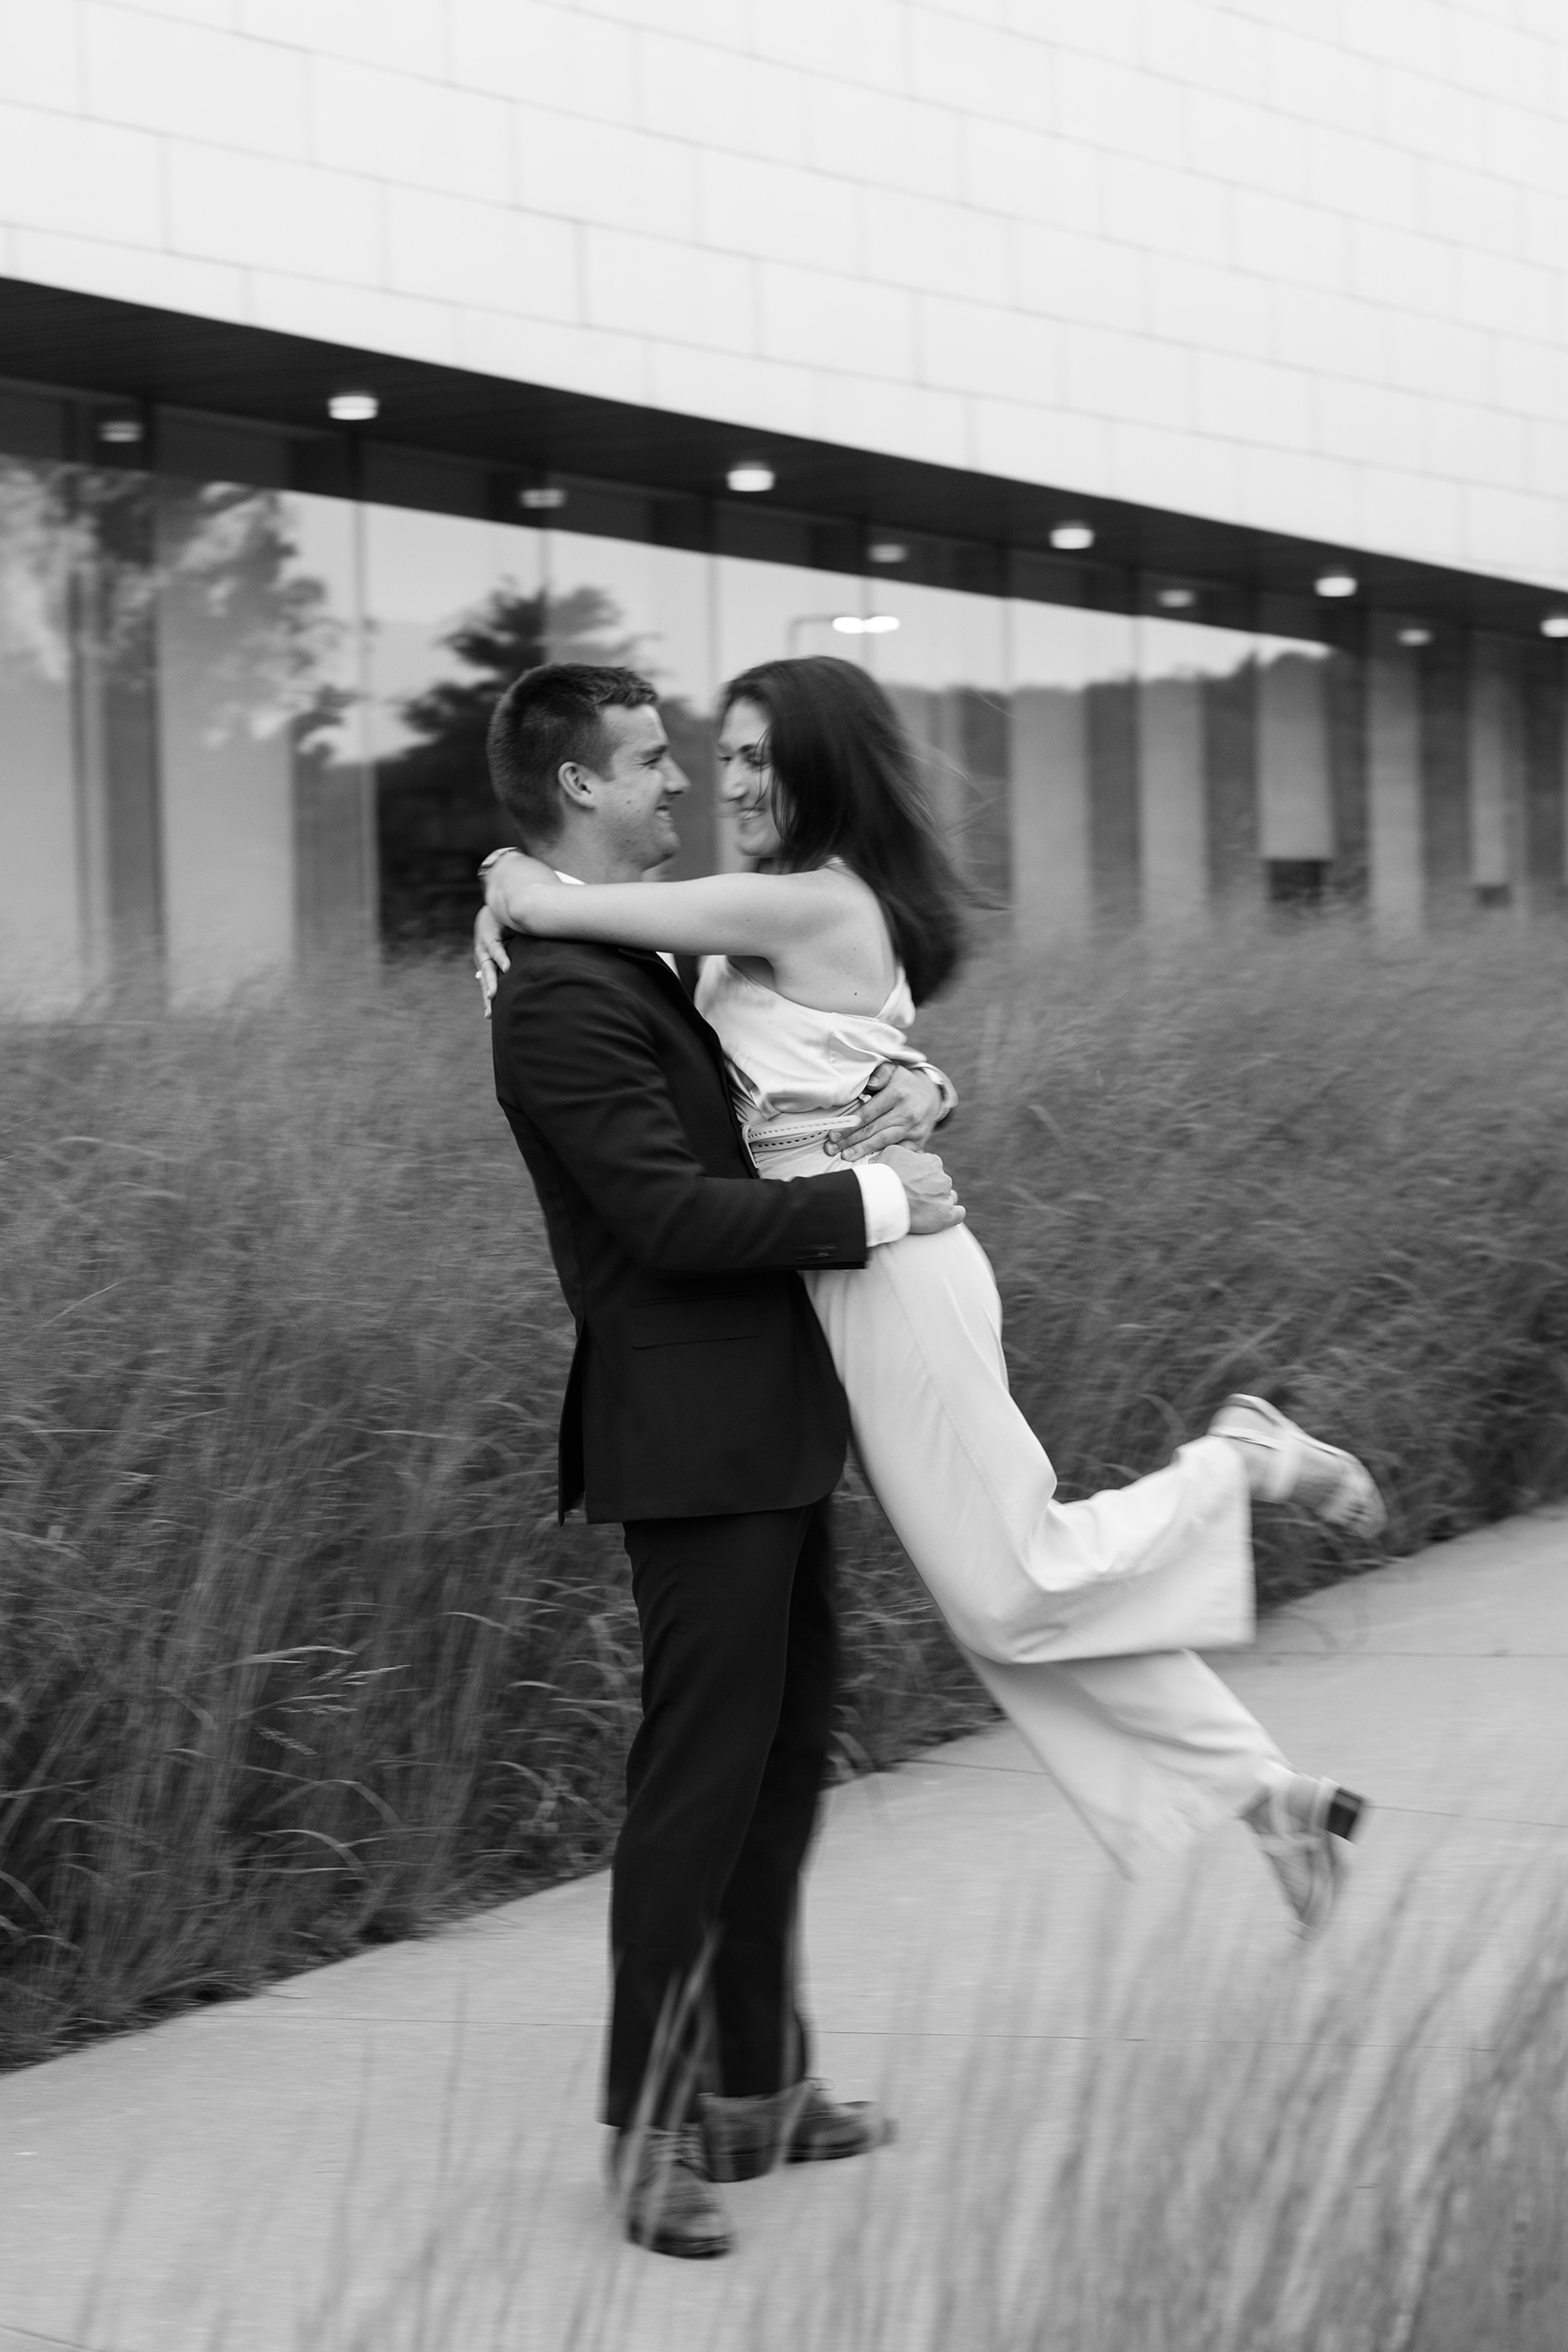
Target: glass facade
[(242, 722)]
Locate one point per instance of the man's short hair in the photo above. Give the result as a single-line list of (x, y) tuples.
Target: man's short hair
[(545, 718)]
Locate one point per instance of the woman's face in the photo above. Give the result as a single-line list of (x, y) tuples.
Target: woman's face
[(746, 784)]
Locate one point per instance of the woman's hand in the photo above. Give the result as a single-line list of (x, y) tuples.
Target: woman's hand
[(509, 879), (490, 958)]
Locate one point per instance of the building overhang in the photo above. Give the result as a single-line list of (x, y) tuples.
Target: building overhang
[(233, 401)]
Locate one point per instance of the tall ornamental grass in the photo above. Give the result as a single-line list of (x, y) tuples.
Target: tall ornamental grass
[(292, 1656)]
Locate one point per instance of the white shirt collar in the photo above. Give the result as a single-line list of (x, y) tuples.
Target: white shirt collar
[(577, 883)]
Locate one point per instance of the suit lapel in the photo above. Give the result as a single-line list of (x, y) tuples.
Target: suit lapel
[(674, 991)]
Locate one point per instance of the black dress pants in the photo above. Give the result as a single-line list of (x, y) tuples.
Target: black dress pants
[(739, 1652)]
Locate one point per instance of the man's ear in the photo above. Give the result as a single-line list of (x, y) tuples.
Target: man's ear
[(579, 785)]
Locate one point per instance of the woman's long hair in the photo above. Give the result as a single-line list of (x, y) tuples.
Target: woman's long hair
[(848, 788)]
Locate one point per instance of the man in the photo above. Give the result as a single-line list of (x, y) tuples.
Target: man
[(704, 1413)]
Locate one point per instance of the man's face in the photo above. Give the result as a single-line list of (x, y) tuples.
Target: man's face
[(638, 782)]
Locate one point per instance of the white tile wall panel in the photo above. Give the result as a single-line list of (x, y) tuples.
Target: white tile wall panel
[(1128, 375), (88, 179), (1141, 114), (1405, 272), (1487, 54), (1030, 177), (982, 348), (1433, 118), (1406, 34), (717, 98), (446, 247), (1510, 532), (925, 244), (1300, 261), (1363, 177), (1068, 276), (1477, 445), (365, 315), (130, 272), (1253, 399), (837, 323), (1111, 28), (654, 287), (722, 23), (1506, 297), (1418, 514), (1234, 140), (1427, 355), (1029, 442), (783, 214), (863, 43), (213, 86), (1216, 310), (42, 54), (1298, 243), (1322, 82), (399, 128), (1363, 422), (543, 351), (225, 206), (1530, 378), (1206, 46), (1471, 209), (1548, 458), (549, 55), (224, 14), (1332, 336), (1165, 210), (575, 170), (1546, 235), (1325, 491), (884, 139), (953, 61), (406, 36), (752, 393), (909, 419), (1204, 474)]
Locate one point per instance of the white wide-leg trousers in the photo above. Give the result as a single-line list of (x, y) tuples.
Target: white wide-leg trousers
[(1081, 1618)]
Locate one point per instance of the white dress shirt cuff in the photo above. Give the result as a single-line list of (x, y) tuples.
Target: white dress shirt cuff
[(885, 1201)]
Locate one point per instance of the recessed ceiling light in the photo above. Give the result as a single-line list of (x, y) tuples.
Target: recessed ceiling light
[(1555, 625), (545, 497), (870, 625), (1336, 583), (1176, 600), (750, 475), (1414, 636), (888, 551), (121, 432), (353, 407), (1069, 537)]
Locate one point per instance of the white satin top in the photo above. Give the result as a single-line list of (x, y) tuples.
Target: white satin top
[(792, 1066)]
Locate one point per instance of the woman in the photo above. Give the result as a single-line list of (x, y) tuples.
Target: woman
[(1080, 1618)]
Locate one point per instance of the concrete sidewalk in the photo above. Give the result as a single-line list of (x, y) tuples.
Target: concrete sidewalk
[(400, 2151)]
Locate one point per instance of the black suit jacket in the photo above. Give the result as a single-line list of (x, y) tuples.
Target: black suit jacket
[(701, 1382)]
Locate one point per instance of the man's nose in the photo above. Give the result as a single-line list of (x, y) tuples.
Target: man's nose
[(675, 779)]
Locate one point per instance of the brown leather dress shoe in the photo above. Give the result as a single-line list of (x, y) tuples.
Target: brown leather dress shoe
[(665, 2196), (804, 2124)]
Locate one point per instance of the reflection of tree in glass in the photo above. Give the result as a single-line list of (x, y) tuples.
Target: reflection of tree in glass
[(41, 541), (247, 642), (437, 814)]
